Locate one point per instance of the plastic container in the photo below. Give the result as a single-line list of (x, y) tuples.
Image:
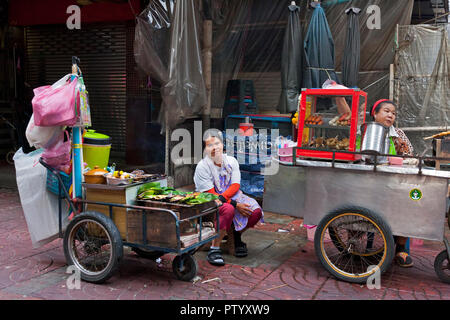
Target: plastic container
[(311, 232), (285, 154), (53, 182), (96, 149), (395, 161), (110, 180), (95, 176), (246, 129)]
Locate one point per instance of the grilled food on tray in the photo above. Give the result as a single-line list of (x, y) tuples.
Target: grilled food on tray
[(153, 191)]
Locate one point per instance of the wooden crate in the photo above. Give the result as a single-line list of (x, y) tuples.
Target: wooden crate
[(160, 231), (110, 196), (120, 194), (161, 228)]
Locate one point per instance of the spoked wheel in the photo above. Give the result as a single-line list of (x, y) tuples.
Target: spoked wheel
[(10, 156), (185, 267), (93, 244), (442, 266), (148, 254), (359, 244)]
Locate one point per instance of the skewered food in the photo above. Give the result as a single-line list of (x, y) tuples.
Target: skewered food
[(314, 120)]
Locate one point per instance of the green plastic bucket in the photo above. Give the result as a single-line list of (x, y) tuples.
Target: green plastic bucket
[(96, 149)]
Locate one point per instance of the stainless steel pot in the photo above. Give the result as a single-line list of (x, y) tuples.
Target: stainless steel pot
[(373, 137)]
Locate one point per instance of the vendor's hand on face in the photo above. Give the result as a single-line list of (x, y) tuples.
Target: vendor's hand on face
[(244, 209)]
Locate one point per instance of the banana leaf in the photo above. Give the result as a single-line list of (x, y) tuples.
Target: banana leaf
[(147, 186)]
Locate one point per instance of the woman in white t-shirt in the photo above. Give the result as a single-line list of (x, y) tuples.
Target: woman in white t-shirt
[(219, 174)]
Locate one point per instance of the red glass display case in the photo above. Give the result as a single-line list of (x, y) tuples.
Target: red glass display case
[(328, 121)]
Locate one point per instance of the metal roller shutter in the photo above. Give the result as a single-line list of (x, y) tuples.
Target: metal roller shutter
[(102, 51)]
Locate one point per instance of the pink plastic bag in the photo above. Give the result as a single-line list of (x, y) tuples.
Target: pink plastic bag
[(55, 105), (58, 155)]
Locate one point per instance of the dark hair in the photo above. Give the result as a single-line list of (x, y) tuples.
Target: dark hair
[(212, 133), (379, 105)]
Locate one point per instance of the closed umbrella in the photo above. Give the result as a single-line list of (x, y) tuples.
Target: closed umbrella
[(351, 60), (319, 49), (292, 62)]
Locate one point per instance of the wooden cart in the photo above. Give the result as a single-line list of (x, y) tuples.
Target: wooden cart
[(95, 237)]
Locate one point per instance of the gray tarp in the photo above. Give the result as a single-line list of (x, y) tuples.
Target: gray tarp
[(177, 63), (291, 63), (248, 38), (351, 60), (422, 82)]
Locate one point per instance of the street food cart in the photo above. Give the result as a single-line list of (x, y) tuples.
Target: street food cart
[(106, 217), (358, 207), (109, 217)]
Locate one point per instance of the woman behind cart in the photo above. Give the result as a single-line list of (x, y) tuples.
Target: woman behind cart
[(385, 112), (219, 173)]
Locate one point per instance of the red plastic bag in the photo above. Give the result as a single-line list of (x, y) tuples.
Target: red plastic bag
[(58, 155), (55, 105)]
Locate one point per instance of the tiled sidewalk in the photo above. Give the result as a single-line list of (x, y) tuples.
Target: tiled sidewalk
[(279, 266)]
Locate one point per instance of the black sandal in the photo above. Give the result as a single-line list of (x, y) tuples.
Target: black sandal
[(240, 248), (215, 257)]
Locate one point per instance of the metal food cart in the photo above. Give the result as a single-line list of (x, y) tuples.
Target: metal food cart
[(360, 208)]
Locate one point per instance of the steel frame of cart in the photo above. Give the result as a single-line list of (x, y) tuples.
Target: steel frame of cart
[(359, 209), (92, 242)]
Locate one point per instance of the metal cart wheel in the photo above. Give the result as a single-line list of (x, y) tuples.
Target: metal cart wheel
[(93, 244), (352, 243), (341, 245), (148, 254), (10, 156), (185, 267), (442, 266)]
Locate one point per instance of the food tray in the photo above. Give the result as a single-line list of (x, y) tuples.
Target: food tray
[(117, 181), (185, 210)]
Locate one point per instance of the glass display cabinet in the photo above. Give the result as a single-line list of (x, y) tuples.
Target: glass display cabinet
[(328, 121)]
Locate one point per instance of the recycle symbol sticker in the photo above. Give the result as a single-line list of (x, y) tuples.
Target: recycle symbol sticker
[(415, 194)]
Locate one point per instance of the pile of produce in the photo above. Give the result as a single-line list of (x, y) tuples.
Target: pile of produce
[(153, 191)]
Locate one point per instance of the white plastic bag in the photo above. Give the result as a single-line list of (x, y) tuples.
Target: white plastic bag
[(41, 137), (40, 207)]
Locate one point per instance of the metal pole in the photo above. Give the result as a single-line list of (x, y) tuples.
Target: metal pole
[(76, 146), (207, 68)]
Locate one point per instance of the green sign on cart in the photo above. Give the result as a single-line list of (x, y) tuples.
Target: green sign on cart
[(415, 194)]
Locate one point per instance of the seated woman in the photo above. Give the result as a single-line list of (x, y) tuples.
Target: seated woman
[(384, 112), (219, 173)]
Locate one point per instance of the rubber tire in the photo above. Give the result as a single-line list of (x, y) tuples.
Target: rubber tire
[(190, 267), (386, 230), (152, 255), (438, 262), (116, 245), (9, 157)]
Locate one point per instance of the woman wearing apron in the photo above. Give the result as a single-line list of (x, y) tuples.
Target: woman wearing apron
[(219, 173)]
